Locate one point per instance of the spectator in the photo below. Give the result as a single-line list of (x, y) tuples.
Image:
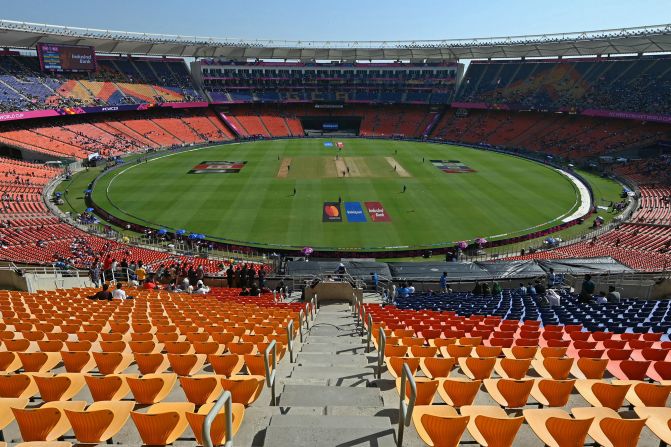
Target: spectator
[(587, 289), (443, 282), (522, 289), (103, 295), (201, 288), (551, 278), (601, 298), (119, 293), (140, 273), (613, 295), (477, 290)]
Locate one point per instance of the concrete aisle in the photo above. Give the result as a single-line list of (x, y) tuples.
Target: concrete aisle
[(328, 397)]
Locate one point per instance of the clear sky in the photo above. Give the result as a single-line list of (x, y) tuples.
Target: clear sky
[(342, 19)]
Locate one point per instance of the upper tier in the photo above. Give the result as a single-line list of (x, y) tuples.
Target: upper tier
[(23, 86)]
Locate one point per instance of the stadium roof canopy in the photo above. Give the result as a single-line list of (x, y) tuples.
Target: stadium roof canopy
[(646, 39)]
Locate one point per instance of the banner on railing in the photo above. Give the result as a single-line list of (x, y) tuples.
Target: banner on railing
[(32, 114)]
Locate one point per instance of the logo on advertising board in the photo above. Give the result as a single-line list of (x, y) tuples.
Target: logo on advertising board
[(331, 212), (354, 212), (377, 212), (218, 167)]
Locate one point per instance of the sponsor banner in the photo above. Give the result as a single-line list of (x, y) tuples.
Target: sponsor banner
[(31, 114), (218, 167), (331, 212), (451, 166), (328, 144), (377, 212), (627, 115), (354, 212)]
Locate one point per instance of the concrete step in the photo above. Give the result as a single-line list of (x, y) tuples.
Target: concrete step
[(333, 372), (342, 339), (257, 418), (329, 431), (329, 421), (333, 348), (316, 395), (319, 359)]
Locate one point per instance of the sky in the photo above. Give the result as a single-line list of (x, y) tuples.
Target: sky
[(343, 19)]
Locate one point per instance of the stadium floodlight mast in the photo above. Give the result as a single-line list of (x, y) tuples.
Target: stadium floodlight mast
[(637, 40)]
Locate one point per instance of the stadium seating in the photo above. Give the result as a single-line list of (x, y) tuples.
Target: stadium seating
[(560, 388), (619, 83), (570, 136), (113, 396), (277, 82), (23, 86)]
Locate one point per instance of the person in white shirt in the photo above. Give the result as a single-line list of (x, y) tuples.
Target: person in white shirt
[(119, 293), (201, 288)]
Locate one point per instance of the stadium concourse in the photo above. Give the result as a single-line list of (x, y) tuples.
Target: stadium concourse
[(492, 368)]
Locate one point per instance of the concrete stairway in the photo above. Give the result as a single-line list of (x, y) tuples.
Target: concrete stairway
[(328, 397)]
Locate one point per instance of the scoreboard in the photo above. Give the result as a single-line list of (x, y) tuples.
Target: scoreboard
[(57, 57)]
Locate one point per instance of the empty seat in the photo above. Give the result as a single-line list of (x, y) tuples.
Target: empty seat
[(60, 387), (552, 393), (439, 425), (100, 421), (163, 422), (435, 367), (47, 423), (556, 428), (244, 389), (459, 392), (218, 430), (609, 429), (151, 388), (109, 387), (602, 394), (491, 426), (201, 389)]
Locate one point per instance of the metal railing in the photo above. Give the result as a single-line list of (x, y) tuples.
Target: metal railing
[(370, 332), (381, 346), (271, 371), (225, 400), (406, 408), (290, 340), (301, 317)]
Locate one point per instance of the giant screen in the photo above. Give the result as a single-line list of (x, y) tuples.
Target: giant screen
[(57, 57)]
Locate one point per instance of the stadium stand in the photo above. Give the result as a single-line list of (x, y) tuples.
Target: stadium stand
[(634, 84), (121, 369), (570, 136), (111, 136), (24, 86), (506, 364), (268, 82)]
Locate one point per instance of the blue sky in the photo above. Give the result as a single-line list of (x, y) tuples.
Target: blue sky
[(343, 19)]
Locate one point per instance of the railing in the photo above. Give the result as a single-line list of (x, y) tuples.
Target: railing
[(225, 399), (381, 346), (290, 340), (301, 317), (405, 409), (271, 371), (370, 332)]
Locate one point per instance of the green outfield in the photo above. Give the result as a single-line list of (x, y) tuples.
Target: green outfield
[(251, 199)]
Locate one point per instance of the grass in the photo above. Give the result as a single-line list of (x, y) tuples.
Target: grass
[(505, 195)]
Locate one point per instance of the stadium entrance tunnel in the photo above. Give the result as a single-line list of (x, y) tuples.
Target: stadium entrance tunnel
[(336, 125)]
